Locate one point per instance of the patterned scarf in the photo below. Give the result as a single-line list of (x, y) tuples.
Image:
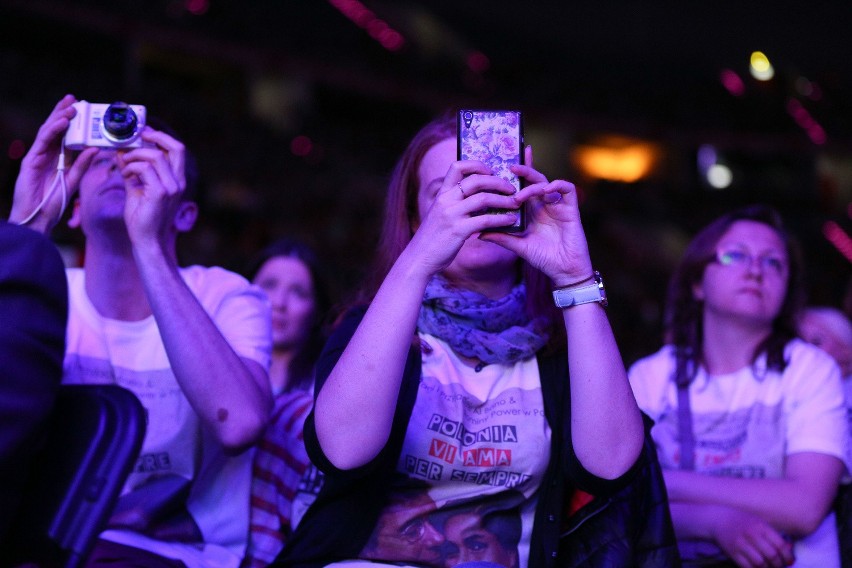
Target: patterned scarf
[(493, 331)]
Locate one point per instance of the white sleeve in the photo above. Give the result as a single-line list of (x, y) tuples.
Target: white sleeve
[(816, 411)]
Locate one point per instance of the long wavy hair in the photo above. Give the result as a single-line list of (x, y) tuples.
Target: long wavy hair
[(685, 314), (401, 215), (300, 372)]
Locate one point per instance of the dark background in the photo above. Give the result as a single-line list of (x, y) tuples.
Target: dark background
[(242, 81)]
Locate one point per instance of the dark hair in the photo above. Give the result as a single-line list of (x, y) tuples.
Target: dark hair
[(498, 514), (401, 214), (301, 369), (684, 317)]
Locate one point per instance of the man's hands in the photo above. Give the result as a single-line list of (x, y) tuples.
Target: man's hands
[(39, 199)]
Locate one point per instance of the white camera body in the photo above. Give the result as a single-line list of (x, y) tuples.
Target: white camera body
[(115, 125)]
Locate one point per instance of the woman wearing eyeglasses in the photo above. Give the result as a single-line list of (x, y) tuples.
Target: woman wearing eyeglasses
[(749, 420)]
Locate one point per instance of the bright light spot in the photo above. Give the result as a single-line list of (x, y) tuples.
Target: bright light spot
[(760, 67), (301, 146), (17, 149), (719, 176), (624, 162), (732, 82)]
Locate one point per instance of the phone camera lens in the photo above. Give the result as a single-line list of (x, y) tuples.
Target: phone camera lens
[(468, 115), (120, 121)]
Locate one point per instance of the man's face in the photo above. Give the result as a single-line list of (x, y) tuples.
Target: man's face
[(102, 191), (404, 533)]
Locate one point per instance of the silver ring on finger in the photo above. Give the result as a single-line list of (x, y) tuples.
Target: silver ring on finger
[(464, 195)]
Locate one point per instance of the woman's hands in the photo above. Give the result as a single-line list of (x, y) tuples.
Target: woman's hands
[(39, 174), (447, 207), (554, 241), (750, 541)]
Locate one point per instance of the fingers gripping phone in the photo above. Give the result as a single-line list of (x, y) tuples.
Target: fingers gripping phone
[(496, 138)]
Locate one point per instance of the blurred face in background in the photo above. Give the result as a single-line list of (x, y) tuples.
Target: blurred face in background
[(290, 287), (831, 333), (748, 279)]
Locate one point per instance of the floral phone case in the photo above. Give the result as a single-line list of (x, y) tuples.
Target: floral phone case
[(494, 137)]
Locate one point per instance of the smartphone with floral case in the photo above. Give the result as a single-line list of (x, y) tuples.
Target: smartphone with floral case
[(496, 138)]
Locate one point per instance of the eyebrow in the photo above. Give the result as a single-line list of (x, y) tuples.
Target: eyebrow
[(782, 251)]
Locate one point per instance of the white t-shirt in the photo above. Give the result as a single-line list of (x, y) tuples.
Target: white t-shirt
[(745, 423), (182, 468), (475, 451)]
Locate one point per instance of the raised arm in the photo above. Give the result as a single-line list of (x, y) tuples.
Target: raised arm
[(230, 393), (366, 380), (606, 424), (38, 199)]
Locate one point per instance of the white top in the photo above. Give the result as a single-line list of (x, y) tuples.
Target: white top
[(180, 465), (745, 423)]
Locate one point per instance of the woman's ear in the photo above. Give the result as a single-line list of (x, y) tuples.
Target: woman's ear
[(186, 216)]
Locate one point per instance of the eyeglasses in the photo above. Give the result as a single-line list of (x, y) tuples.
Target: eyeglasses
[(739, 258)]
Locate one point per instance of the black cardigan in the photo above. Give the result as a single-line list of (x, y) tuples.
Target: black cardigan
[(627, 524)]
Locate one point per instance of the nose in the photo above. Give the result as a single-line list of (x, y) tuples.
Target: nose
[(755, 266), (432, 536), (278, 297)]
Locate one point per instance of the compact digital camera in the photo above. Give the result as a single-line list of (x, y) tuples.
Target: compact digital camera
[(106, 126)]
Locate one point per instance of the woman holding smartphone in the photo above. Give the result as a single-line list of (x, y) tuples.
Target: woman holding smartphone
[(451, 386)]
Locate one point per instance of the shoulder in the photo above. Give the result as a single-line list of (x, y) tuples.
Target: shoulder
[(809, 364), (213, 284), (650, 379), (653, 366), (800, 353), (27, 252), (205, 276)]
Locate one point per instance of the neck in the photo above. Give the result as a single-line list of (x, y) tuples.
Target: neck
[(729, 345), (113, 283), (279, 369), (490, 287)]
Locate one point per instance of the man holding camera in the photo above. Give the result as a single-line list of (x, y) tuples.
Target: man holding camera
[(192, 343)]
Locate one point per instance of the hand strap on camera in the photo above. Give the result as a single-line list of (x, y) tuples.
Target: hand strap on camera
[(58, 181)]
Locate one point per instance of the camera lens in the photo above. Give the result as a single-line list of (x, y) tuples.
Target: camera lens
[(120, 121), (468, 115)]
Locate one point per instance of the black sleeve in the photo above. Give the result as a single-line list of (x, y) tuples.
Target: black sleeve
[(33, 318)]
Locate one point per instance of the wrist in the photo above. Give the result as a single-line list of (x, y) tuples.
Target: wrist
[(580, 292)]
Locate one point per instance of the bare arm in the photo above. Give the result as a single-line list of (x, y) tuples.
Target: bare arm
[(744, 537), (795, 504), (365, 381), (231, 394), (607, 429), (606, 425), (39, 173)]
